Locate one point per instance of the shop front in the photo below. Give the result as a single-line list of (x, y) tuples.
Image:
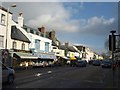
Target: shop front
[(44, 59), (73, 61), (63, 60), (20, 59)]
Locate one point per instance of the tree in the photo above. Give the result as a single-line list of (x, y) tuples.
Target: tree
[(105, 56), (107, 44), (108, 53)]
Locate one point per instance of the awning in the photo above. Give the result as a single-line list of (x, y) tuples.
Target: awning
[(25, 55), (65, 57), (45, 55)]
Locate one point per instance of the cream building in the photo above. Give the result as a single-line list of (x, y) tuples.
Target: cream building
[(8, 32), (58, 52), (5, 28), (13, 38)]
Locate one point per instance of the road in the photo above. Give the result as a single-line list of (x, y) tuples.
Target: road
[(64, 77)]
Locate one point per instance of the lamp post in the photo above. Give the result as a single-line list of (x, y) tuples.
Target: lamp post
[(14, 5)]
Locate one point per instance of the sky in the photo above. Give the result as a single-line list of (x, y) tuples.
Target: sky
[(79, 23)]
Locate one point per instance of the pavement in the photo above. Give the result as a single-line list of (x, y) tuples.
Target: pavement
[(112, 79), (119, 77)]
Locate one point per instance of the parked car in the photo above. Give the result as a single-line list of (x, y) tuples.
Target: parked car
[(85, 61), (8, 74), (91, 62), (96, 63), (81, 63), (106, 64)]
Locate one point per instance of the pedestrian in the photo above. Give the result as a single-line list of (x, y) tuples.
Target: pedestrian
[(26, 65)]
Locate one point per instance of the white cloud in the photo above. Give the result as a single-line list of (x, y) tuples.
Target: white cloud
[(97, 21), (98, 25), (83, 45), (60, 0), (99, 50), (55, 16)]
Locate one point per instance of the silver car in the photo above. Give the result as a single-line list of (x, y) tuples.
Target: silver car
[(8, 74)]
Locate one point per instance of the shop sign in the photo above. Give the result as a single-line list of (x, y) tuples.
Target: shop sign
[(45, 56)]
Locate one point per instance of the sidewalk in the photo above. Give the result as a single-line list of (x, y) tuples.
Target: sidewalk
[(119, 77), (112, 79), (19, 69)]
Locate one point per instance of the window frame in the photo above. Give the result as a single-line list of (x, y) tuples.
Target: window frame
[(3, 18), (47, 46), (14, 45), (23, 46), (1, 41)]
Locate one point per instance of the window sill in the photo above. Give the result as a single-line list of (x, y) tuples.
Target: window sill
[(3, 24)]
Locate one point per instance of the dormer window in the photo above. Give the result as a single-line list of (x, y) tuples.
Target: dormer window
[(1, 41)]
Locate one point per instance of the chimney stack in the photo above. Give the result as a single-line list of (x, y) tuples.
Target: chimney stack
[(66, 44), (42, 30), (20, 19)]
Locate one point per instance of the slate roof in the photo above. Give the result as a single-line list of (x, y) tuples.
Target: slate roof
[(4, 9), (53, 43), (69, 48), (79, 48), (62, 47), (72, 49), (18, 35)]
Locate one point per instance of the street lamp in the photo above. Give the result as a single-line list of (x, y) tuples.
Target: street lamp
[(14, 5)]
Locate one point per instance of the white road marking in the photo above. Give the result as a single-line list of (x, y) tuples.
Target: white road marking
[(49, 72), (38, 74)]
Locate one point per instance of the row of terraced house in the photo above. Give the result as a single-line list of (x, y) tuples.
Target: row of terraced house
[(21, 43)]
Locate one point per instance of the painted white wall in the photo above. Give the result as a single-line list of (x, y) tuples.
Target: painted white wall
[(77, 54), (70, 54), (20, 20), (42, 41), (100, 57), (3, 32), (89, 55), (81, 54), (58, 52), (3, 28), (19, 44)]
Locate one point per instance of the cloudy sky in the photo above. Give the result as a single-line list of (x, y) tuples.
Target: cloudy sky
[(84, 23)]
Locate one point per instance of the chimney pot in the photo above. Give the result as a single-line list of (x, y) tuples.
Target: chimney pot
[(20, 14), (20, 19)]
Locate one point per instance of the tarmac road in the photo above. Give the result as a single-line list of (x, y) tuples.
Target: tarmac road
[(64, 77)]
